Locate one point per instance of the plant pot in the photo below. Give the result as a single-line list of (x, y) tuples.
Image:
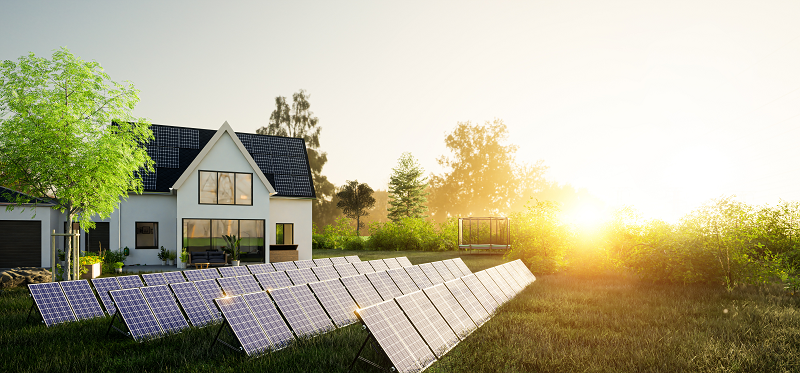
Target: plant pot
[(163, 262), (118, 270), (171, 262), (181, 265), (235, 262), (92, 271)]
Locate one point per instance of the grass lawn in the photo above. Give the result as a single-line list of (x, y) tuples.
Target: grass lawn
[(559, 323)]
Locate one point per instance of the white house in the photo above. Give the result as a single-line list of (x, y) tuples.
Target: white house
[(206, 184)]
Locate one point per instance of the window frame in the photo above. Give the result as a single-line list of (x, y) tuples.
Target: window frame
[(284, 233), (136, 235), (211, 230), (235, 177)]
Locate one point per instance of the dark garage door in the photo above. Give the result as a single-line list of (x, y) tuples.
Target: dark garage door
[(20, 243)]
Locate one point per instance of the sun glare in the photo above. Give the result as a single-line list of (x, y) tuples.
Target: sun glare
[(585, 216)]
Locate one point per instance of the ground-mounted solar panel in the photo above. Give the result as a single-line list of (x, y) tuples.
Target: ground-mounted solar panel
[(523, 271), (429, 323), (418, 276), (441, 267), (491, 286), (378, 265), (361, 290), (338, 260), (404, 261), (260, 268), (211, 273), (302, 311), (511, 278), (462, 266), (230, 285), (402, 280), (430, 271), (209, 290), (189, 138), (194, 275), (302, 276), (228, 272), (174, 277), (284, 266), (363, 267), (402, 344), (468, 301), (322, 262), (274, 280), (392, 263), (352, 258), (154, 279), (270, 319), (130, 282), (384, 284), (164, 307), (248, 284), (193, 304), (308, 263), (325, 273), (81, 297), (501, 283), (476, 287), (345, 270), (52, 303), (103, 285), (136, 314), (451, 310), (244, 325), (453, 267), (241, 270), (512, 270), (336, 301)]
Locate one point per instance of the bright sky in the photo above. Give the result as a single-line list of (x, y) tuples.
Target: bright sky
[(659, 105)]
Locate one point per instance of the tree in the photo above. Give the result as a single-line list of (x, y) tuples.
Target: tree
[(298, 121), (407, 189), (67, 132), (354, 200)]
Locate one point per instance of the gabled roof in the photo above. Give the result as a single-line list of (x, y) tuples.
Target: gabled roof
[(283, 161), (14, 194)]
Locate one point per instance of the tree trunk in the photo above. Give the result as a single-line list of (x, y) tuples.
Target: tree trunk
[(358, 226)]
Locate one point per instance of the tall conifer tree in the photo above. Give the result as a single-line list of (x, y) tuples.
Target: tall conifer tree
[(407, 189)]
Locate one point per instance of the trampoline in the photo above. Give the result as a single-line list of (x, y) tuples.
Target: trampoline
[(489, 233)]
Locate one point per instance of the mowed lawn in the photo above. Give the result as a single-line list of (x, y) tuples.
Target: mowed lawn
[(560, 323)]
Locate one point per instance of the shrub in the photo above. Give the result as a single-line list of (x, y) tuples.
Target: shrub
[(413, 234)]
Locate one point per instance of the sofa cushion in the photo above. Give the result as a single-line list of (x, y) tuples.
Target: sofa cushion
[(216, 257), (198, 257)]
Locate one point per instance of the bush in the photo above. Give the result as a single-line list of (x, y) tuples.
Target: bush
[(413, 234)]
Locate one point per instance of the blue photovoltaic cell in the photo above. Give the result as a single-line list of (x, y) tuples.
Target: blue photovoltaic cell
[(501, 283), (52, 303), (174, 277), (429, 323), (346, 270), (338, 260), (302, 276), (384, 285), (244, 325), (154, 279), (378, 265), (418, 276), (260, 268), (494, 290), (304, 263), (487, 300), (248, 284), (453, 267), (451, 310), (162, 302), (405, 348), (283, 183), (209, 290), (444, 271), (210, 273), (271, 321), (462, 266), (392, 263), (241, 270), (193, 304), (136, 314), (130, 282), (352, 258), (103, 286), (404, 261), (336, 301), (228, 272), (325, 273), (82, 299), (403, 280), (361, 290), (230, 285), (363, 267), (194, 275), (284, 266), (430, 271), (189, 138), (323, 262), (468, 301), (274, 280), (302, 310)]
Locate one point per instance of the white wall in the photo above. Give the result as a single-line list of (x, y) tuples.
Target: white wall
[(145, 208), (297, 212), (42, 214)]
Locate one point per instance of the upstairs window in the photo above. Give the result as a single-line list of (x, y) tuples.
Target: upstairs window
[(226, 188)]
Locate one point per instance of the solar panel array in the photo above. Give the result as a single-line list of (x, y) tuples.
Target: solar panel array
[(194, 275), (260, 268), (165, 309), (153, 279), (52, 303), (136, 314), (346, 270), (431, 272), (244, 325), (302, 311), (392, 263), (404, 261), (403, 280), (304, 263), (339, 305), (430, 324), (384, 284), (418, 276), (352, 258), (361, 290), (231, 286), (468, 301), (174, 277), (274, 280), (325, 272), (441, 267), (453, 267), (378, 265), (363, 267), (103, 286), (81, 297), (210, 273), (323, 262), (228, 272), (271, 321), (193, 304), (301, 276), (284, 266), (338, 260)]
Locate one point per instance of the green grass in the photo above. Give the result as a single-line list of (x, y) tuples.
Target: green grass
[(560, 323)]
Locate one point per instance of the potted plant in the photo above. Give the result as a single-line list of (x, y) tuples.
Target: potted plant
[(232, 248), (90, 266), (163, 255), (118, 267), (184, 258), (172, 256)]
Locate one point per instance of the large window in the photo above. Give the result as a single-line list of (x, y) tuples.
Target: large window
[(146, 235), (226, 188), (284, 234), (206, 234)]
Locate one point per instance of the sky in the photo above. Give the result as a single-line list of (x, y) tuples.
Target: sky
[(659, 105)]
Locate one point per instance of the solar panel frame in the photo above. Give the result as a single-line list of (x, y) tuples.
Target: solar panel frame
[(52, 303), (418, 276), (378, 265), (194, 275), (228, 272), (307, 263), (336, 301), (196, 308), (321, 262), (430, 271), (302, 311), (244, 325), (510, 278), (489, 303), (268, 316), (302, 276), (338, 260), (441, 267), (501, 283), (404, 261), (230, 285), (518, 280), (384, 284), (468, 301), (103, 285), (462, 266), (260, 268), (284, 266), (403, 280), (211, 273), (136, 314), (174, 277), (154, 279), (274, 280), (428, 322), (130, 281), (392, 263), (451, 310), (451, 265), (248, 284), (81, 298), (165, 309), (363, 267), (523, 271), (209, 290), (345, 270), (491, 286), (352, 258), (362, 291), (325, 273)]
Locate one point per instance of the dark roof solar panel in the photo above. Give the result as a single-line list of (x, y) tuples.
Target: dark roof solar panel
[(284, 266), (189, 138), (296, 147), (392, 263), (403, 280), (194, 275), (462, 266), (345, 270), (338, 260), (429, 323), (278, 146), (451, 310), (494, 290), (130, 282), (209, 290), (323, 262), (193, 304), (352, 258), (260, 268), (244, 325), (336, 300), (174, 277), (103, 285), (274, 280), (468, 301), (248, 284), (301, 276), (52, 303), (378, 265), (136, 314), (149, 179), (325, 273), (82, 299), (487, 300), (271, 322), (283, 183), (302, 311), (444, 271), (154, 279), (404, 261), (308, 263), (363, 267), (384, 284), (431, 272), (260, 144), (163, 305), (166, 136), (361, 290), (246, 140), (453, 267), (264, 162), (210, 273), (230, 286), (418, 276)]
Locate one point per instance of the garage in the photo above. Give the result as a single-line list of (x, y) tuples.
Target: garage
[(21, 243)]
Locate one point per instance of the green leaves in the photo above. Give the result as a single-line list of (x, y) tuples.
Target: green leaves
[(407, 189), (355, 199)]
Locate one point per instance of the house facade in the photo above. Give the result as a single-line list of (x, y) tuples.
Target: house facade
[(206, 184)]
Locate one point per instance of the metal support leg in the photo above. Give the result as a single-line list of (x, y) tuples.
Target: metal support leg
[(353, 364), (111, 323), (217, 336), (33, 305)]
